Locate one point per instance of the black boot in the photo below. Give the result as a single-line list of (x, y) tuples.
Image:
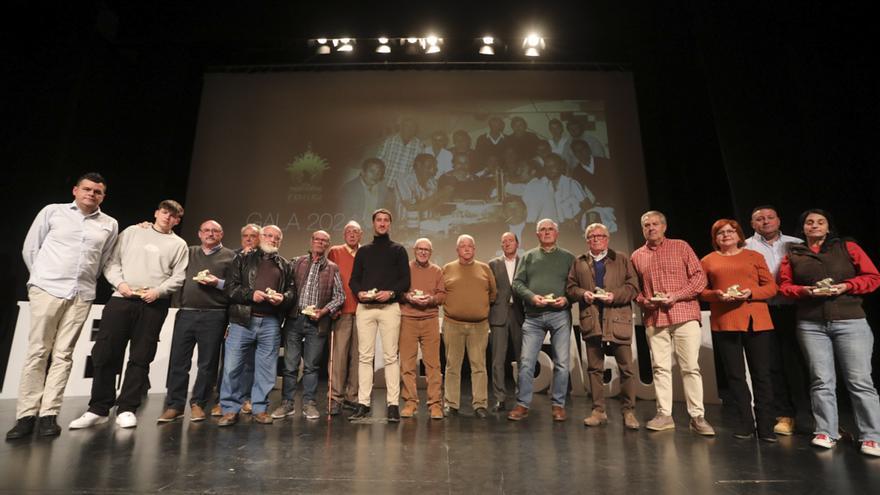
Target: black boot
[(47, 426), (360, 412), (23, 427), (393, 414)]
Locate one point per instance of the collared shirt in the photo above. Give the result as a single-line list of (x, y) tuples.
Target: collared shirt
[(350, 250), (561, 201), (65, 250), (410, 191), (598, 257), (309, 295), (773, 254), (371, 195), (398, 157), (672, 268), (444, 159), (560, 146), (510, 265), (589, 167)]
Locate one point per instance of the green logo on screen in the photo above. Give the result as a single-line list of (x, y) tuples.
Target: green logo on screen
[(306, 172)]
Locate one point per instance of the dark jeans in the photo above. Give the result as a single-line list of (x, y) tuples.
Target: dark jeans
[(193, 327), (788, 368), (757, 346), (125, 320), (301, 340)]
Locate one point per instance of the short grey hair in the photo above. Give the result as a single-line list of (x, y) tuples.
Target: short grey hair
[(463, 237), (354, 224), (653, 213), (423, 239), (595, 226), (250, 226), (275, 227), (546, 220)]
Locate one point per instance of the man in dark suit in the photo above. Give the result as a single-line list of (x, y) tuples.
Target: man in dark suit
[(505, 316)]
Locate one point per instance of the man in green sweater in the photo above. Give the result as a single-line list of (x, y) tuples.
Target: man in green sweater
[(540, 283)]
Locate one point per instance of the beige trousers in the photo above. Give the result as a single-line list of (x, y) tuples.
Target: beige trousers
[(55, 327), (383, 319), (684, 340), (473, 337)]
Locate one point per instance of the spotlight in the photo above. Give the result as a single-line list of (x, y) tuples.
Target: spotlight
[(383, 46), (533, 44), (344, 45), (323, 47), (431, 44), (487, 48)]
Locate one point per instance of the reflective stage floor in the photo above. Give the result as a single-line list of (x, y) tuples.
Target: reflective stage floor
[(458, 455)]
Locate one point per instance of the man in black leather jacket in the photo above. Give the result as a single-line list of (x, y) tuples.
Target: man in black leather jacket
[(260, 290)]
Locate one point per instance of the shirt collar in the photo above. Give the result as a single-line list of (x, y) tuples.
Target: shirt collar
[(551, 250), (73, 206), (598, 257), (213, 250), (350, 250)]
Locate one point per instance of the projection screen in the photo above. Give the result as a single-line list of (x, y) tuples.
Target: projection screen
[(448, 152)]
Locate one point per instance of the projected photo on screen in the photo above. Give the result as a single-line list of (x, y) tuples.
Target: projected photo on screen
[(449, 153)]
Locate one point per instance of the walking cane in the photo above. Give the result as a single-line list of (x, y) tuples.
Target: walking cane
[(330, 378)]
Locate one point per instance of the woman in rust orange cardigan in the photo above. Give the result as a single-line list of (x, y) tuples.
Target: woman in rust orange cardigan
[(739, 285)]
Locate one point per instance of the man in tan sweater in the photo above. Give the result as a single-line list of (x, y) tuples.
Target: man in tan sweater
[(470, 290), (420, 325)]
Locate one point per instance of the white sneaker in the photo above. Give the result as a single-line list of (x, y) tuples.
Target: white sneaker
[(87, 420), (870, 447), (126, 420), (824, 441)]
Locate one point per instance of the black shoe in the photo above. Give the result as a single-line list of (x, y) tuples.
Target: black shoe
[(481, 413), (393, 414), (349, 405), (743, 434), (768, 437), (360, 412), (499, 406), (450, 411), (47, 426), (23, 427), (335, 409)]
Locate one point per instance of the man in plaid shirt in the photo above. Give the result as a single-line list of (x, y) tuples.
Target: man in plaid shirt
[(671, 277), (399, 151), (319, 295)]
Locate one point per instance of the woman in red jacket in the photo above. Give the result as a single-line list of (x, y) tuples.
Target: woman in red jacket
[(828, 276)]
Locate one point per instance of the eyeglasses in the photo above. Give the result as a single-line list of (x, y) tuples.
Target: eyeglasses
[(216, 231), (596, 237), (725, 232), (423, 250)]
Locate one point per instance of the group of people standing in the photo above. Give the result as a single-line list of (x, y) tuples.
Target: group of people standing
[(765, 293)]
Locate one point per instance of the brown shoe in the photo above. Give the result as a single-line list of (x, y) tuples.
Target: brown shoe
[(196, 413), (660, 422), (228, 419), (263, 418), (170, 415), (559, 413), (700, 426), (784, 426), (409, 410), (519, 412), (216, 411), (247, 407), (630, 422), (596, 418), (436, 411)]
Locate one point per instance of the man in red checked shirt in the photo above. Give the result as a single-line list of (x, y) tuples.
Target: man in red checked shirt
[(671, 278)]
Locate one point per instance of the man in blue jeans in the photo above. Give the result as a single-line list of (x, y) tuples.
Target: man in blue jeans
[(259, 288), (319, 295), (540, 283)]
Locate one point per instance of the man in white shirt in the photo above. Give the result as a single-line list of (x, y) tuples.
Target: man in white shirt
[(65, 249), (787, 368)]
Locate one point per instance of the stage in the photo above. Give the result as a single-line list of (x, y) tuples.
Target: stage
[(457, 455)]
